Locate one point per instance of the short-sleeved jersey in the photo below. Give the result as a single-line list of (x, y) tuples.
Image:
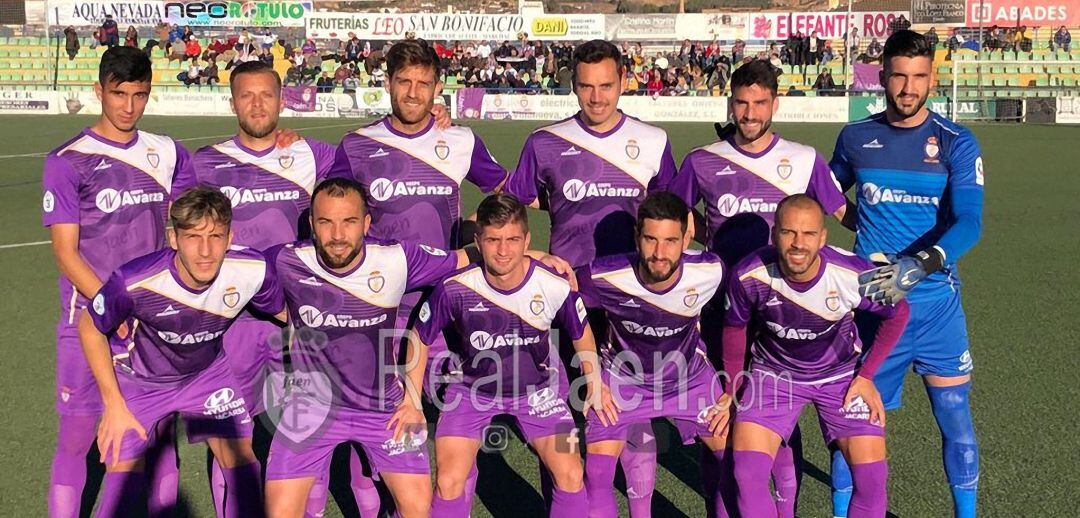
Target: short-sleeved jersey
[(503, 335), (802, 330), (740, 190), (349, 317), (910, 183), (652, 334), (178, 329), (270, 190), (117, 193), (592, 183), (414, 181)]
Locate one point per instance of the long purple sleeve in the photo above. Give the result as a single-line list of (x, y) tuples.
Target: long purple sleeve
[(734, 355), (888, 334)]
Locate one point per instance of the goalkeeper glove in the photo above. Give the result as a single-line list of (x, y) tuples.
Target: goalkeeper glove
[(895, 276)]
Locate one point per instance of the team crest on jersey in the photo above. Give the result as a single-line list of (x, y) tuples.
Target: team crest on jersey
[(285, 161), (231, 297), (376, 281), (442, 150), (153, 158), (537, 305), (784, 169), (632, 149), (832, 301), (690, 298), (932, 149)]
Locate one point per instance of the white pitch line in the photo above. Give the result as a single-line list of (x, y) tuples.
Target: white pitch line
[(208, 137), (20, 245)]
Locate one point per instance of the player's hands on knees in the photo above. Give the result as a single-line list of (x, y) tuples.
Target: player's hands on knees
[(442, 116), (599, 399), (864, 390), (719, 416), (115, 422), (408, 418), (286, 137)]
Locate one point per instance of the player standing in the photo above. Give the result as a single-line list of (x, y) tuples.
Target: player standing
[(183, 299), (270, 189), (503, 309), (799, 296), (590, 172), (344, 288), (654, 365), (412, 169), (741, 178), (919, 190), (106, 195)]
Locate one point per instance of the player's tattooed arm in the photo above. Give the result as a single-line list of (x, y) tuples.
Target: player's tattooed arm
[(409, 416), (598, 397), (65, 245), (116, 420)]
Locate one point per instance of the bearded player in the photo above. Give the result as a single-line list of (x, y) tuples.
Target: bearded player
[(740, 179), (919, 190)]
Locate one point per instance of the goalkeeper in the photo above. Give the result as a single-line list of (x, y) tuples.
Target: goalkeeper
[(919, 191)]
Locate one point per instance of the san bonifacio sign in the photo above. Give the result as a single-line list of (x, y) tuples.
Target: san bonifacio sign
[(456, 26)]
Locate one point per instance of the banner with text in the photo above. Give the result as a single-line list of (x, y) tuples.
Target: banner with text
[(217, 13), (861, 107), (828, 25), (556, 107), (455, 26), (1033, 13), (949, 13), (142, 13)]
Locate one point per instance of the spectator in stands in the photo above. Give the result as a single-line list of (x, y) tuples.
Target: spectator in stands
[(289, 51), (827, 53), (993, 39), (209, 74), (1062, 40), (131, 38), (955, 42), (874, 50), (309, 47), (353, 48), (110, 33), (292, 76), (266, 56), (738, 50), (901, 23), (267, 39), (931, 37), (563, 77), (312, 68), (853, 41), (245, 36), (325, 84), (532, 85), (191, 76), (187, 34), (350, 85), (655, 84), (824, 84), (795, 92), (192, 50), (378, 76), (71, 42)]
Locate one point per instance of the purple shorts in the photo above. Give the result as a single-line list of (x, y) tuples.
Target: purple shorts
[(303, 447), (209, 403), (776, 403), (540, 414), (76, 391), (250, 344), (685, 404)]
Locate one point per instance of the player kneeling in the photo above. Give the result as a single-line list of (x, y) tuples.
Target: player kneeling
[(182, 300), (801, 296), (654, 362), (503, 310)]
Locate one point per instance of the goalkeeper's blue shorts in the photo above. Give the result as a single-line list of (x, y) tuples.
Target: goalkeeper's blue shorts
[(935, 342)]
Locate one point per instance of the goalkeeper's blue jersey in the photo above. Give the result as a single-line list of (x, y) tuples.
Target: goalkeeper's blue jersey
[(915, 188)]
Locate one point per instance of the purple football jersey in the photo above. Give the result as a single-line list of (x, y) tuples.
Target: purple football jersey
[(270, 190), (178, 329), (345, 321), (650, 333), (504, 335), (741, 190), (592, 183), (117, 193), (414, 181), (803, 330)]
